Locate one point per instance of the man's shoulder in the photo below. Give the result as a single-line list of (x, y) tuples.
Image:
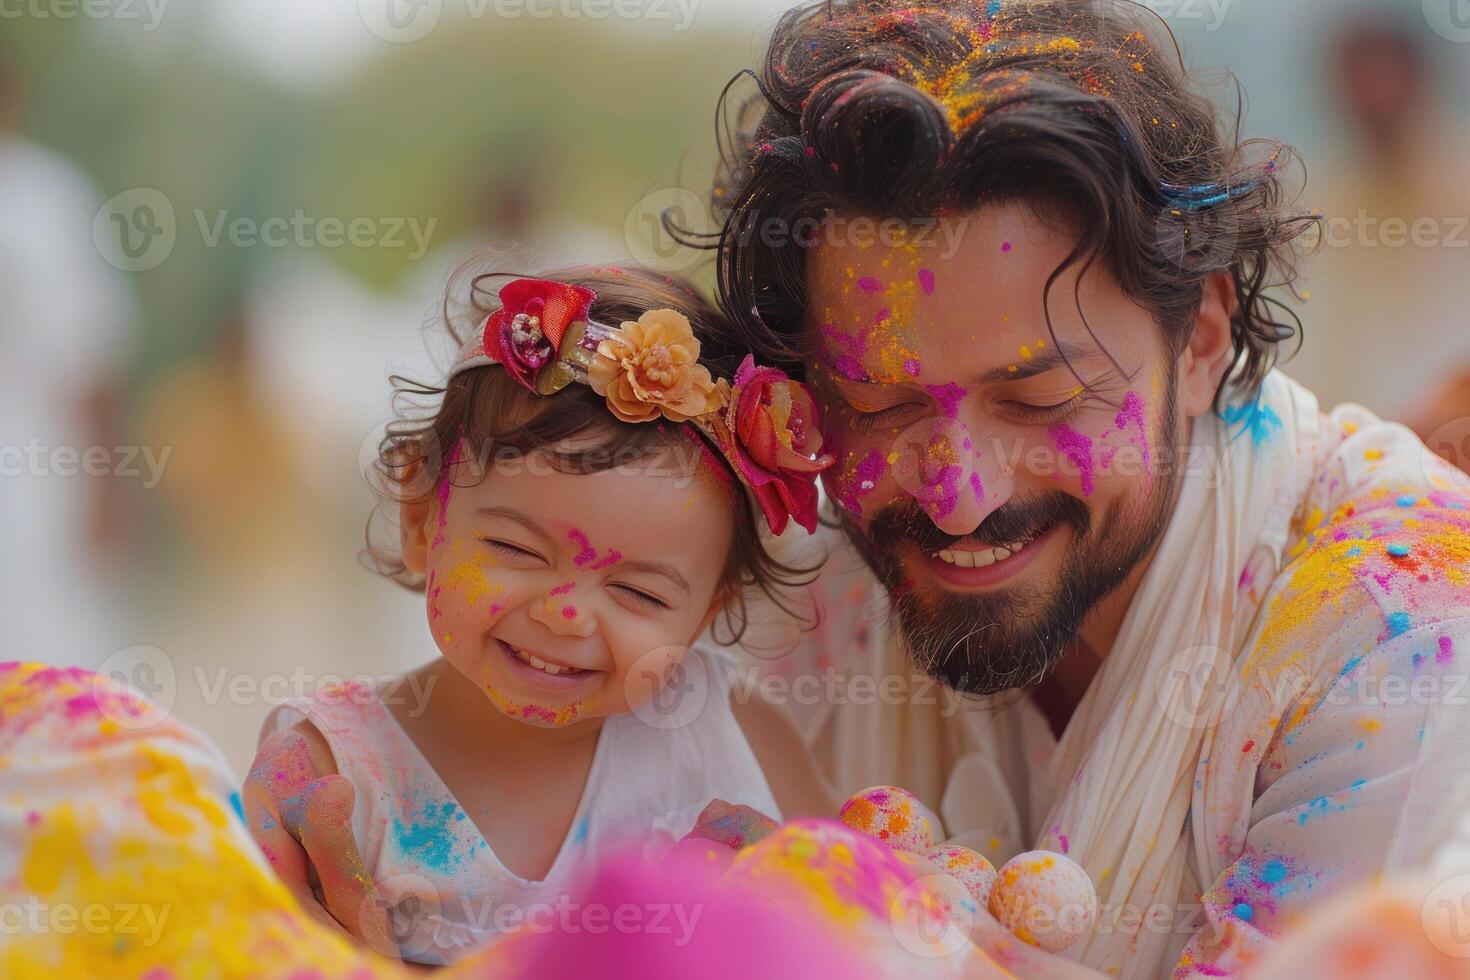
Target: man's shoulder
[(1381, 573)]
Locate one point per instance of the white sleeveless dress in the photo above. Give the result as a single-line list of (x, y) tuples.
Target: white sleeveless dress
[(652, 773)]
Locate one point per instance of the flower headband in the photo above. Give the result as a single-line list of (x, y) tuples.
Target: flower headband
[(763, 423)]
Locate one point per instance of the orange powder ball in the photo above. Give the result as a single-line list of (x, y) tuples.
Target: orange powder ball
[(894, 816), (969, 868), (1046, 899)]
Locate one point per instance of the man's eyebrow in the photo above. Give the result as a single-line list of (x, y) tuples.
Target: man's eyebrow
[(1048, 359), (658, 568), (511, 514)]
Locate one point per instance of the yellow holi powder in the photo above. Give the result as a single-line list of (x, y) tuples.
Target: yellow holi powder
[(1373, 454), (469, 577), (1370, 725), (1025, 353)]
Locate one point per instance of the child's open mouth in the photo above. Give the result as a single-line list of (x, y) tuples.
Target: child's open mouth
[(542, 672)]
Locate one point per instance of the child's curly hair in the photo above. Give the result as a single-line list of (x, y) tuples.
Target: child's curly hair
[(488, 417)]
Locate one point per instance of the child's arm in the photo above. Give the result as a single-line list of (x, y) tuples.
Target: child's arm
[(798, 785), (299, 810)]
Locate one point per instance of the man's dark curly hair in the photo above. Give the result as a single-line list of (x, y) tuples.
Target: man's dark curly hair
[(885, 108)]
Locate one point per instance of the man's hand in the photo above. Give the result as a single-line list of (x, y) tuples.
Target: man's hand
[(301, 816)]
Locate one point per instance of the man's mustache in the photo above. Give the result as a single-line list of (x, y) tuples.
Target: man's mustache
[(1017, 520)]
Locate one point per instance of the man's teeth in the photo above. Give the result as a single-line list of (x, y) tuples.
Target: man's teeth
[(977, 559)]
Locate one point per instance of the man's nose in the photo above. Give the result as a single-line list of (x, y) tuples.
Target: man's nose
[(564, 615), (955, 475)]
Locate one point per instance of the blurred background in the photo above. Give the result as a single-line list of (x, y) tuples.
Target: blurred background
[(223, 223)]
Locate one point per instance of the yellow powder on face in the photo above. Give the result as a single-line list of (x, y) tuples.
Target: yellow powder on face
[(469, 577)]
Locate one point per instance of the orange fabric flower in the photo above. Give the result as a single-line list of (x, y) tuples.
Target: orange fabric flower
[(651, 367)]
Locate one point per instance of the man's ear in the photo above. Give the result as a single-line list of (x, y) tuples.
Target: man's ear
[(416, 516), (1209, 353)]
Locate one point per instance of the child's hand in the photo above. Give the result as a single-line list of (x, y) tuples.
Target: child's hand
[(301, 817)]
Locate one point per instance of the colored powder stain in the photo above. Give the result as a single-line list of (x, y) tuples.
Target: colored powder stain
[(1370, 725), (1373, 455), (612, 558), (1005, 247), (870, 285), (1066, 847), (978, 489), (445, 488), (912, 367), (1273, 873), (1247, 746), (564, 588), (1398, 623), (948, 396), (1356, 551), (237, 805), (470, 577), (580, 837), (883, 316), (1077, 449), (992, 9), (1358, 784), (865, 478), (1399, 550), (1407, 501), (1244, 912), (587, 554), (568, 612), (430, 839), (1025, 353), (926, 281), (1132, 414), (1446, 655), (1261, 421)]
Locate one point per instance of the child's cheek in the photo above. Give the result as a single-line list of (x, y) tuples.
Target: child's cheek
[(466, 595)]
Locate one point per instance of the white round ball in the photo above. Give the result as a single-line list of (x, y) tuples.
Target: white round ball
[(1046, 899)]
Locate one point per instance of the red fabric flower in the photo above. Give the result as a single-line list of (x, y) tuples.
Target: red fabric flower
[(775, 443), (525, 334)]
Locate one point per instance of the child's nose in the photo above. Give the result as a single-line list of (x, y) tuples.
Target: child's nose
[(564, 615)]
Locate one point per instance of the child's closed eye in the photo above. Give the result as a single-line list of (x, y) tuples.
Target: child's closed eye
[(646, 599), (512, 550)]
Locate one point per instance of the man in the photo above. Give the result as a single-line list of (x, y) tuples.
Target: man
[(1215, 638)]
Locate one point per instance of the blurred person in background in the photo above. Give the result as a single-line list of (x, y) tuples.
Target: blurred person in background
[(1385, 325), (66, 335)]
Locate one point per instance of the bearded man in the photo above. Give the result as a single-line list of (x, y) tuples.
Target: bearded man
[(1214, 637)]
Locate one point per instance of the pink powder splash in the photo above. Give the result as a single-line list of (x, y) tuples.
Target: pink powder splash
[(977, 488), (588, 554), (1446, 655), (882, 316), (564, 588), (445, 488), (870, 285), (1006, 247), (926, 281), (865, 478), (912, 367), (848, 359), (608, 560), (1132, 414), (948, 396), (568, 612), (1077, 449)]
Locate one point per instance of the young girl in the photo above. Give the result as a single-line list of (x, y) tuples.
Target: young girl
[(581, 506)]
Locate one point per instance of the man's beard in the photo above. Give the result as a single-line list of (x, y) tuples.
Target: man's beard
[(1013, 638)]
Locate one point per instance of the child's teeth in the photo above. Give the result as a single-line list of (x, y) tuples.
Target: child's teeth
[(551, 668), (535, 661)]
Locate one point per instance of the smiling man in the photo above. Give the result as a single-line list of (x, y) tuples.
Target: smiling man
[(1215, 636)]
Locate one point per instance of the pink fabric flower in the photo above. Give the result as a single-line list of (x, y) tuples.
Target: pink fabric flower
[(525, 334)]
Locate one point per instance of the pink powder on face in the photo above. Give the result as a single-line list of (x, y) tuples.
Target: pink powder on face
[(1446, 655), (848, 354), (948, 396), (1006, 247), (612, 557), (912, 367), (942, 494), (926, 281), (977, 488), (883, 316), (564, 588), (568, 612), (1077, 449), (870, 285), (1132, 414), (865, 479), (588, 554), (445, 488)]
